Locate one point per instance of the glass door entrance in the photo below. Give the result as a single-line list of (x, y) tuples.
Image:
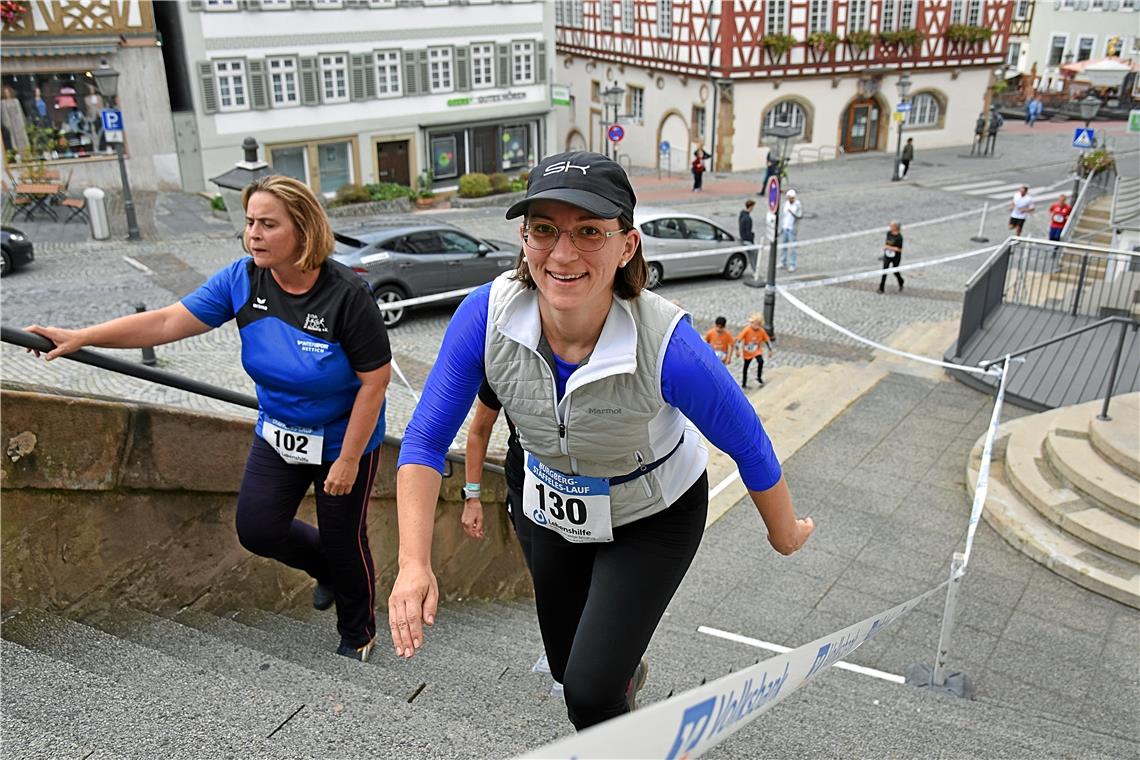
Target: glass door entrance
[(862, 131)]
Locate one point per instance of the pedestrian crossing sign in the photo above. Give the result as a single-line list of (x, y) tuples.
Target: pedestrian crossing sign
[(1084, 138)]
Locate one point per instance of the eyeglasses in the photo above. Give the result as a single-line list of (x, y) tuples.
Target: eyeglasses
[(587, 238)]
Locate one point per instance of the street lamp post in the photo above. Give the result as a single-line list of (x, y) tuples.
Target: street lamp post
[(1090, 107), (904, 90), (611, 97), (782, 135), (107, 82)]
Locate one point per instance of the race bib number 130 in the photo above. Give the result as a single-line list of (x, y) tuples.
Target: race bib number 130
[(296, 445), (574, 506)]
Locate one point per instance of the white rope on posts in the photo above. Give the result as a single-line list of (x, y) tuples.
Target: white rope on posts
[(400, 374)]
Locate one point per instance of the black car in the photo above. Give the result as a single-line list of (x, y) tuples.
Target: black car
[(17, 250), (409, 258)]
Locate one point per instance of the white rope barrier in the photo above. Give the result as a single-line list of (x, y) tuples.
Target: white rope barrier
[(400, 374), (870, 274)]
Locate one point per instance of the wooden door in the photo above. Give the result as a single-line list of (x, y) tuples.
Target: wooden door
[(392, 162), (862, 133)]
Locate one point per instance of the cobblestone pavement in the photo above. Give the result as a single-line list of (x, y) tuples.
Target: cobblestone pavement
[(79, 283)]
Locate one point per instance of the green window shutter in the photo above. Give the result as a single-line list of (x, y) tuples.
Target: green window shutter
[(209, 90), (302, 4), (411, 75), (310, 91), (362, 76), (259, 97), (356, 4), (422, 67), (250, 5), (197, 5), (462, 69), (540, 61), (503, 67)]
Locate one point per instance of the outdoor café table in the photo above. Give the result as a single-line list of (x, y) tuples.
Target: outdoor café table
[(40, 195)]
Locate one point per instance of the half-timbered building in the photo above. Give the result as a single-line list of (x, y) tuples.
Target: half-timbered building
[(713, 73)]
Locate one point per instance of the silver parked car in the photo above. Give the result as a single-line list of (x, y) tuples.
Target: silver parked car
[(408, 258), (667, 231)]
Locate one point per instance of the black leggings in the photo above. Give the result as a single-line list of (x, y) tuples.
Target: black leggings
[(336, 553), (890, 262), (759, 369), (599, 603)]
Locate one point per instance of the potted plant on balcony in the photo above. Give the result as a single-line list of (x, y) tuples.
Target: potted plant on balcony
[(967, 35), (860, 41), (822, 43), (904, 41), (777, 45)]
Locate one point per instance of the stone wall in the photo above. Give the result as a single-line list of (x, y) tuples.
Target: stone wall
[(109, 503)]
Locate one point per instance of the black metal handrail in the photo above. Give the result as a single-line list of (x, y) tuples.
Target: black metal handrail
[(25, 339), (1125, 323)]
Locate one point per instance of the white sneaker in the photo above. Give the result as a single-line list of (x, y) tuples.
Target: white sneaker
[(791, 269)]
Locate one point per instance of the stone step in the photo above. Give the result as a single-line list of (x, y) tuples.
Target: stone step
[(354, 711), (1071, 455), (1024, 528), (88, 708), (26, 740), (1118, 439)]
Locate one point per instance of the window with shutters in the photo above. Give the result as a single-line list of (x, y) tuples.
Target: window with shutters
[(627, 16), (482, 65), (664, 18), (857, 16), (328, 4), (439, 69), (334, 78), (276, 5), (924, 111), (820, 16), (776, 17), (974, 12), (221, 5), (230, 80), (522, 62), (388, 73), (283, 82), (606, 14)]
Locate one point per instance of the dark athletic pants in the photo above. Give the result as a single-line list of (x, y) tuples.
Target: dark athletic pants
[(759, 358), (599, 603), (890, 262), (336, 553)]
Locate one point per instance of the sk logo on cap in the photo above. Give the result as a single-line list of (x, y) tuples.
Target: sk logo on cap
[(563, 166)]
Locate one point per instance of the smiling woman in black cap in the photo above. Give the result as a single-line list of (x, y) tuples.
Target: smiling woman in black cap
[(607, 386)]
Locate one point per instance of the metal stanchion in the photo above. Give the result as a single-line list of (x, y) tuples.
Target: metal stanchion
[(148, 357), (980, 238)]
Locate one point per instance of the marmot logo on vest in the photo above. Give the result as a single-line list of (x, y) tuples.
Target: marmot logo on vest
[(314, 323), (594, 410), (563, 166)]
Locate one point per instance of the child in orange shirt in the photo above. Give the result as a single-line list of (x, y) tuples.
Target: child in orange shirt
[(721, 341), (752, 340)]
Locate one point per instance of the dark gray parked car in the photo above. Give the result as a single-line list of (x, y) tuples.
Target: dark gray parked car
[(407, 259)]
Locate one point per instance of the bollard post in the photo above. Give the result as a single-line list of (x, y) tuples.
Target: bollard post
[(148, 357), (980, 238), (936, 678)]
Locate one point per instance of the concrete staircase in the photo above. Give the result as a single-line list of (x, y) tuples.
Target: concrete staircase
[(1094, 227), (1065, 490)]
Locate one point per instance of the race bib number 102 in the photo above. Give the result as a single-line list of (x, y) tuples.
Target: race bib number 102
[(296, 445), (574, 506)]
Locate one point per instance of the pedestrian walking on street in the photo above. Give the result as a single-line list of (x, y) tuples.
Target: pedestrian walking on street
[(752, 339), (1020, 208), (700, 155), (1034, 108), (315, 345), (793, 212), (996, 122), (746, 231), (721, 340), (892, 255), (979, 135), (1058, 215), (771, 170), (907, 155), (610, 388)]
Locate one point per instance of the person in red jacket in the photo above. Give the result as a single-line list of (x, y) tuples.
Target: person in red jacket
[(1058, 215)]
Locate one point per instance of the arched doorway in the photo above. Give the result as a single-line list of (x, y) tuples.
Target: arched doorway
[(675, 131), (575, 141), (861, 127)]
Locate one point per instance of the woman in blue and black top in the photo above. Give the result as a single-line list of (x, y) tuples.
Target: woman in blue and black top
[(315, 345)]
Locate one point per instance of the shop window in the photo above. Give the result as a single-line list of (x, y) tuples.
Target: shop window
[(439, 67), (229, 77), (388, 73), (334, 165), (334, 78), (283, 81), (515, 142), (51, 116), (443, 157), (925, 111), (292, 162), (482, 65), (522, 58)]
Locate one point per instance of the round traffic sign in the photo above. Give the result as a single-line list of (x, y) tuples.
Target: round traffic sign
[(773, 193), (664, 146), (615, 133)]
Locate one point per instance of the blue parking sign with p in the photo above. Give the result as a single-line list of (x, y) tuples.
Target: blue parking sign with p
[(112, 120)]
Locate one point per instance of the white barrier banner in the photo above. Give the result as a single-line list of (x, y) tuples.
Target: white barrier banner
[(691, 723)]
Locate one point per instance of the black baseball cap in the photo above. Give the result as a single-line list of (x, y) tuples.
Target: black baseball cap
[(587, 180)]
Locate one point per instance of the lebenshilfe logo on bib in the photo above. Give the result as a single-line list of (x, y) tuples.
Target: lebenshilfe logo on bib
[(587, 180), (315, 323)]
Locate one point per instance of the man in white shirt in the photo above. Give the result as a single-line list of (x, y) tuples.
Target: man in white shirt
[(793, 212), (1020, 208)]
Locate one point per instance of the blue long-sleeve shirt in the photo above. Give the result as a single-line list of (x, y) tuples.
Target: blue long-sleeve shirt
[(692, 379)]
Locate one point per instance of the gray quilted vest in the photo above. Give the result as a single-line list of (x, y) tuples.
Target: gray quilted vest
[(612, 419)]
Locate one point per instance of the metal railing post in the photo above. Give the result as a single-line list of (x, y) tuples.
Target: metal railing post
[(1080, 283), (1112, 373), (980, 238), (148, 357)]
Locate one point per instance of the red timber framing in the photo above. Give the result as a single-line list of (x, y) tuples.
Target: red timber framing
[(735, 50)]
